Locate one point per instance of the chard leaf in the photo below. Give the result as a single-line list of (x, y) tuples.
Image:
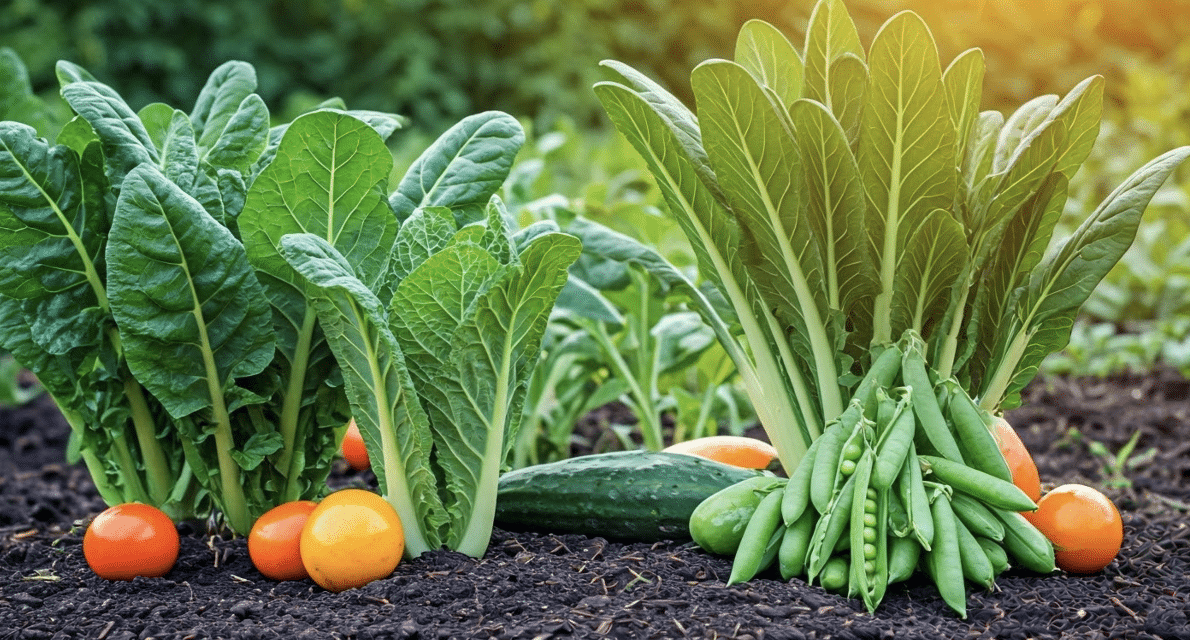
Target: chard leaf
[(963, 82), (935, 258), (220, 100), (1042, 318), (977, 164), (77, 134), (759, 167), (768, 55), (179, 156), (243, 138), (379, 388), (52, 235), (836, 204), (68, 72), (462, 169), (258, 447), (425, 233), (191, 313), (849, 86), (830, 34), (906, 151), (126, 142), (1027, 119)]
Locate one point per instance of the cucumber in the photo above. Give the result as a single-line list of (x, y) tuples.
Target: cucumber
[(625, 495)]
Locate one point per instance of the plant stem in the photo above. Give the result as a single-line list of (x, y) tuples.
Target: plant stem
[(157, 468), (292, 406)]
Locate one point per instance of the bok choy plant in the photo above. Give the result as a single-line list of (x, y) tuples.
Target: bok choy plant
[(879, 265), (187, 378), (437, 341)]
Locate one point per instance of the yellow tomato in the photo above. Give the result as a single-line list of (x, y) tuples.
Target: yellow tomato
[(350, 539)]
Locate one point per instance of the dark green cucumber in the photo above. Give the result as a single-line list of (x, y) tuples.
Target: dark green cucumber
[(627, 495)]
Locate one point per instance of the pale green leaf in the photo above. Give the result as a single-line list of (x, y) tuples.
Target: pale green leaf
[(221, 97), (935, 258), (768, 55), (242, 138), (849, 86), (963, 81), (830, 34)]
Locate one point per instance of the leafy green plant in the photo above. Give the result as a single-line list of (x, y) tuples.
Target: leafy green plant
[(186, 376), (838, 199), (436, 344), (1116, 466)]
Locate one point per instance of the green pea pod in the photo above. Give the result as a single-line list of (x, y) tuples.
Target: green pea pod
[(944, 560), (881, 375), (984, 487), (797, 490), (830, 526), (886, 409), (771, 549), (761, 527), (978, 518), (717, 524), (893, 446), (903, 554), (925, 406), (834, 574), (791, 557), (995, 553), (1028, 546), (915, 500), (976, 566), (978, 445), (826, 463), (869, 560), (898, 518)]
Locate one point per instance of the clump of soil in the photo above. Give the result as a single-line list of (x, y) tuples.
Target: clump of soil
[(537, 585)]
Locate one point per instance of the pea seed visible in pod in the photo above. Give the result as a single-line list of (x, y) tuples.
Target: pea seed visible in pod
[(869, 552), (870, 505), (872, 495), (869, 566), (847, 467), (852, 451), (869, 535), (869, 520)]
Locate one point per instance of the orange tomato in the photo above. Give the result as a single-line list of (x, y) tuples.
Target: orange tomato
[(1020, 463), (734, 450), (352, 538), (1084, 526), (130, 540), (353, 448), (274, 544)]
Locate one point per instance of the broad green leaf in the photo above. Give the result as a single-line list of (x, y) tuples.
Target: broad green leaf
[(494, 352), (1036, 160), (906, 151), (379, 388), (156, 117), (830, 34), (1080, 111), (15, 87), (768, 55), (1019, 126), (759, 167), (241, 140), (179, 156), (935, 257), (836, 204), (68, 72), (963, 81), (126, 142), (192, 316), (52, 235), (256, 448), (975, 187), (462, 169), (77, 134), (221, 97), (1042, 318), (849, 86), (425, 233)]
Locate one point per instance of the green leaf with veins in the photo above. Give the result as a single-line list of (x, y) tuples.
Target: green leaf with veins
[(768, 55)]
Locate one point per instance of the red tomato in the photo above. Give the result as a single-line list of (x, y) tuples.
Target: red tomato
[(1020, 463), (353, 448), (351, 539), (275, 539), (130, 540), (1084, 526)]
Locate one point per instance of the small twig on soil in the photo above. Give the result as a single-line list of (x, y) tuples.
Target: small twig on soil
[(107, 628), (1116, 601)]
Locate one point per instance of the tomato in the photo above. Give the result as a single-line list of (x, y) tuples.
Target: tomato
[(130, 540), (1020, 463), (739, 451), (274, 544), (353, 448), (352, 538), (1084, 526)]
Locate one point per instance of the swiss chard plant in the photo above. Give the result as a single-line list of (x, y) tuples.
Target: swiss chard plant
[(436, 340), (879, 260), (187, 375)]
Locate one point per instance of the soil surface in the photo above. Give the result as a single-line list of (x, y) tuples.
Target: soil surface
[(536, 585)]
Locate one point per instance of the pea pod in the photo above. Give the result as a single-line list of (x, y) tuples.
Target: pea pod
[(755, 541), (944, 561), (1028, 546), (869, 560), (995, 553), (791, 556), (893, 446), (797, 490), (834, 574), (717, 524), (828, 529), (984, 487), (978, 445), (880, 375), (978, 518), (903, 554), (915, 499), (898, 518), (826, 461), (925, 405), (976, 566)]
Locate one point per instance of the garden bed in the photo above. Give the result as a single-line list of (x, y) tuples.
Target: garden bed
[(533, 585)]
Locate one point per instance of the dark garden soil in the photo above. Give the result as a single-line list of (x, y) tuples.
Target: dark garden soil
[(536, 585)]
